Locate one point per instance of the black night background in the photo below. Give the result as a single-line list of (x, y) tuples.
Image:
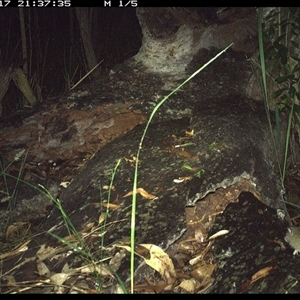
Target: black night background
[(55, 59)]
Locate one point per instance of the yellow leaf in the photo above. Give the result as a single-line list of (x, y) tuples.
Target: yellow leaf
[(45, 252), (203, 271), (190, 133), (188, 285), (157, 259), (134, 159), (102, 218), (160, 262), (261, 273), (186, 178), (110, 205), (143, 193), (16, 251), (59, 278)]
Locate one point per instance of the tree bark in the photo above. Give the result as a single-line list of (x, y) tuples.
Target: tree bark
[(85, 33), (172, 36), (23, 39)]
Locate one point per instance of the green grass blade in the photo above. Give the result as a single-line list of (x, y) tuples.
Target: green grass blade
[(135, 179)]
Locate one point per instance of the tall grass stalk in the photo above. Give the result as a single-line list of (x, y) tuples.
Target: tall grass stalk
[(106, 216), (82, 249), (264, 85), (288, 82), (79, 246), (4, 175), (135, 178)]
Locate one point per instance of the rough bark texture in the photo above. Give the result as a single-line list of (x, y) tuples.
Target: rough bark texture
[(207, 152), (172, 36)]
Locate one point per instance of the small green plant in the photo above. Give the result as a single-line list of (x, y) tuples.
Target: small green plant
[(78, 243), (196, 173), (11, 196), (80, 246), (279, 49)]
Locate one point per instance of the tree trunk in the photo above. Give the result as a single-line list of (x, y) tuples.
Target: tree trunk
[(23, 39), (173, 35), (85, 32)]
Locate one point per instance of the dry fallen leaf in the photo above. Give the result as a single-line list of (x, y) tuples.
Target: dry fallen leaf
[(143, 193), (65, 184), (65, 268), (261, 273), (110, 206), (43, 270), (218, 234), (187, 285), (142, 251), (10, 280), (182, 179), (134, 159), (178, 180), (45, 252), (158, 260), (190, 132), (203, 272), (107, 187), (116, 260), (102, 218), (150, 288), (15, 251), (16, 229), (196, 259), (100, 269), (258, 275), (59, 278)]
